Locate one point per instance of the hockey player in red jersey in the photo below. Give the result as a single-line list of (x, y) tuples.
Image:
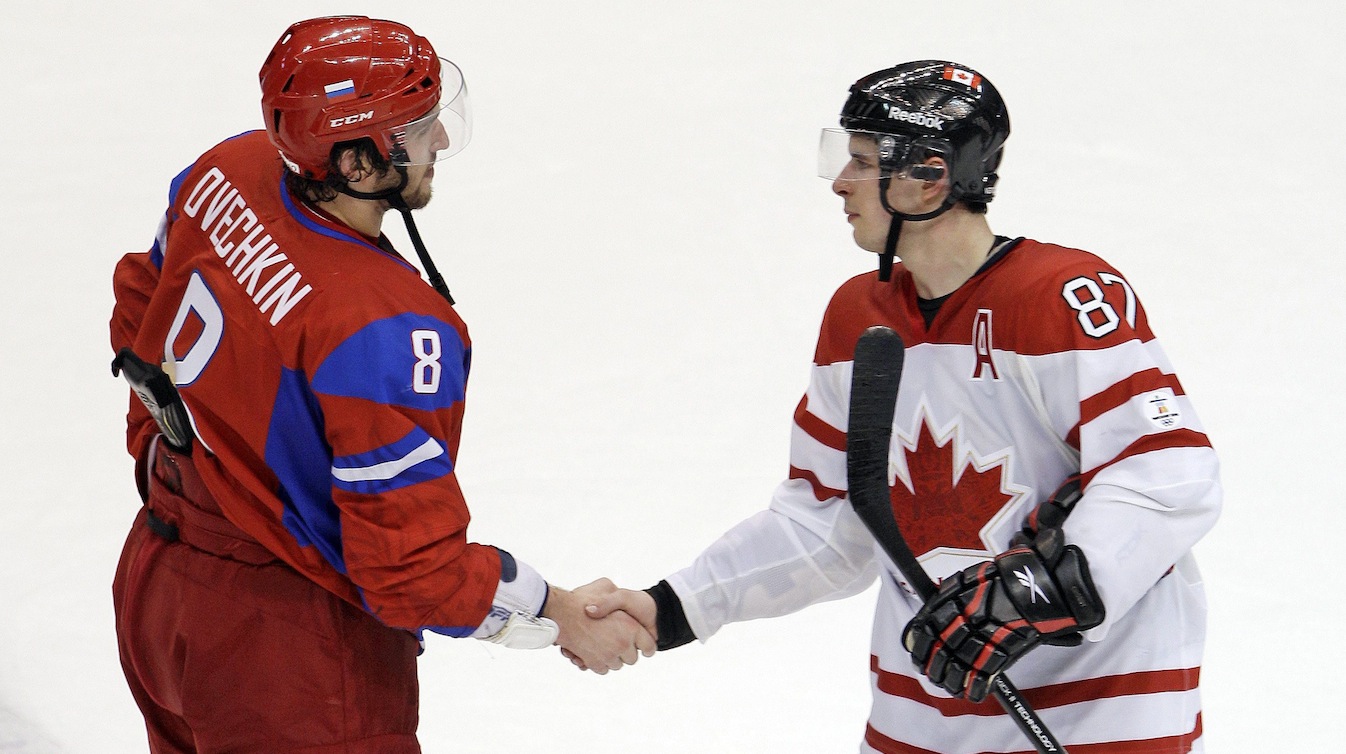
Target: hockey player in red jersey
[(1029, 368), (303, 393)]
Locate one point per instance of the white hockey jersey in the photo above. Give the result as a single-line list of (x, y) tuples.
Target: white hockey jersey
[(1041, 366)]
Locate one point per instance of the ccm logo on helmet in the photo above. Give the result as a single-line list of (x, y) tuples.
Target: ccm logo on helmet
[(350, 120), (920, 119)]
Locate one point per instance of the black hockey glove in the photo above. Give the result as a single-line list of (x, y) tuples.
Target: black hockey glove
[(156, 390), (985, 618)]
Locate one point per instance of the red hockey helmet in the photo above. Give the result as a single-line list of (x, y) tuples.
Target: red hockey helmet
[(342, 78)]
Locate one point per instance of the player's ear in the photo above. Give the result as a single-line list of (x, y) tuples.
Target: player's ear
[(934, 174), (934, 171), (353, 164)]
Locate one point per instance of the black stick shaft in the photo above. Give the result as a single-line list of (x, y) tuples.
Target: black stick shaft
[(875, 379)]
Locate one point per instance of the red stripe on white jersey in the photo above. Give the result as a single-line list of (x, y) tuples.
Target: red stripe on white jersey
[(820, 491), (817, 428), (1176, 438), (1043, 697), (1139, 383), (1166, 745)]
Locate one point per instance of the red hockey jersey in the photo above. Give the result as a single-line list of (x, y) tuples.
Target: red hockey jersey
[(1041, 366), (325, 382)]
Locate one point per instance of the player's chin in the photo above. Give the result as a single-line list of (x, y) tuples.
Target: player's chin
[(868, 241), (419, 198)]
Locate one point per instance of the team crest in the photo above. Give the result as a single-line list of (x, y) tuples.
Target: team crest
[(950, 499)]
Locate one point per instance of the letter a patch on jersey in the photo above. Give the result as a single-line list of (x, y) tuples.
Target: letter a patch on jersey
[(981, 343)]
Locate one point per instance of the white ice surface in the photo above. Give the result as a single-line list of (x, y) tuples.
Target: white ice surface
[(642, 251)]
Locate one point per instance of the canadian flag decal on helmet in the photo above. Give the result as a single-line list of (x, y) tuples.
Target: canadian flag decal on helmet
[(966, 78)]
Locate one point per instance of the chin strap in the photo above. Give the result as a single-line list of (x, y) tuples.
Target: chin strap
[(393, 196), (895, 227), (890, 248), (431, 272)]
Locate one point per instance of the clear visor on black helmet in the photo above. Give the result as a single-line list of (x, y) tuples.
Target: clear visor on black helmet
[(440, 133), (865, 155)]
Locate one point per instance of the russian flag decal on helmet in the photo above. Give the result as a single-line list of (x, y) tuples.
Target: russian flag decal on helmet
[(340, 89)]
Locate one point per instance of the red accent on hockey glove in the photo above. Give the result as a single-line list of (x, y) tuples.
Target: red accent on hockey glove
[(985, 618), (1051, 513)]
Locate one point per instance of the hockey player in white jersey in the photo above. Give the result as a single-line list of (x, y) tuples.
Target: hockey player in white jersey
[(1030, 367)]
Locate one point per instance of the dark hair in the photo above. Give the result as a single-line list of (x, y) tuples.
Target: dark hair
[(312, 190), (976, 208)]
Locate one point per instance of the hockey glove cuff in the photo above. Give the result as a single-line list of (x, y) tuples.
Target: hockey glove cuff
[(519, 598)]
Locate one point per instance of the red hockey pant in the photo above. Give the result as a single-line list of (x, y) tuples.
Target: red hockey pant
[(227, 649)]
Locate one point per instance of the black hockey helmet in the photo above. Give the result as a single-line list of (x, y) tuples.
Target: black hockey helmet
[(914, 111), (934, 107)]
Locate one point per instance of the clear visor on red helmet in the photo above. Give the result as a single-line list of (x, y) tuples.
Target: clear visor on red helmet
[(440, 133), (864, 155)]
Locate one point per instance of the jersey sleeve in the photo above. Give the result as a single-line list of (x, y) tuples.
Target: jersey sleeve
[(1151, 477), (133, 283), (365, 455), (807, 547)]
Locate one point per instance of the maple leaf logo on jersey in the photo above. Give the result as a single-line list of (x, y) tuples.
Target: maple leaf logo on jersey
[(950, 496)]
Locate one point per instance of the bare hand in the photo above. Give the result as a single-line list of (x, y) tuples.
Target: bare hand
[(597, 643), (639, 605)]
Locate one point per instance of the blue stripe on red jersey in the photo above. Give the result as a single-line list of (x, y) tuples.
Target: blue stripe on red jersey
[(418, 457), (157, 254), (455, 632), (298, 455), (156, 249), (409, 360), (176, 185)]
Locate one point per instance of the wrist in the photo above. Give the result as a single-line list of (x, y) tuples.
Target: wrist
[(559, 607), (552, 602)]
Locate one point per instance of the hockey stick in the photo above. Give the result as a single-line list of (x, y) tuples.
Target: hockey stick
[(874, 382)]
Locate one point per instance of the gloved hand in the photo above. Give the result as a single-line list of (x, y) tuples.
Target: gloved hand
[(985, 618)]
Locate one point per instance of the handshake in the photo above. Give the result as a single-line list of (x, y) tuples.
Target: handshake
[(602, 627)]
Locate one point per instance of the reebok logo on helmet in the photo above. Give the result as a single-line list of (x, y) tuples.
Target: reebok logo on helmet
[(920, 119)]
